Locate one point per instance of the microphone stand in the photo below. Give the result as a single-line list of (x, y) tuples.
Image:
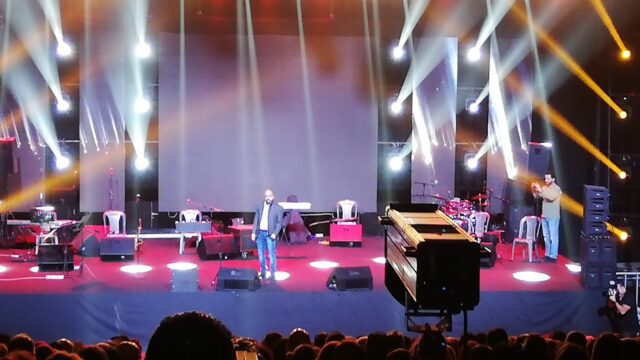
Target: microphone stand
[(220, 263)]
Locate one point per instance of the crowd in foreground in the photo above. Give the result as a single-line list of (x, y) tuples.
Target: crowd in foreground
[(195, 335)]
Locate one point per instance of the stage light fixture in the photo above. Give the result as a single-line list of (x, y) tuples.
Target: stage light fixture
[(473, 107), (396, 163), (398, 53), (624, 236), (547, 144), (141, 163), (63, 104), (142, 105), (380, 260), (182, 266), (62, 162), (623, 114), (64, 50), (574, 268), (622, 175), (474, 54), (625, 54), (396, 107), (142, 50), (471, 162)]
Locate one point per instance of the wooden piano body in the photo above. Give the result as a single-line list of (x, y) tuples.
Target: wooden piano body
[(431, 263)]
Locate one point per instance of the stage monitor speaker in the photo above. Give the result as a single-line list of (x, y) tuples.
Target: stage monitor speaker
[(90, 247), (216, 246), (184, 279), (117, 248), (538, 162), (238, 279), (55, 257), (350, 278)]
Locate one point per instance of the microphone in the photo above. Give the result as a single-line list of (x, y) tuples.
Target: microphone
[(188, 201), (137, 198)]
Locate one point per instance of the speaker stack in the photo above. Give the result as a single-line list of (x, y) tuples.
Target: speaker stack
[(598, 253)]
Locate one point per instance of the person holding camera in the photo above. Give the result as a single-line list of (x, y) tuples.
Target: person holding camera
[(625, 317)]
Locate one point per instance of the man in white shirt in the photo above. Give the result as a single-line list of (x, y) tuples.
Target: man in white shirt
[(266, 226)]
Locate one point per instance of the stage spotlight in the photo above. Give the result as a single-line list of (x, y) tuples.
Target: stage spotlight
[(63, 104), (547, 144), (324, 264), (471, 162), (396, 107), (142, 163), (473, 107), (143, 50), (396, 163), (3, 269), (380, 260), (574, 268), (62, 162), (625, 54), (623, 235), (64, 50), (622, 175), (142, 105), (398, 53), (622, 114), (474, 54)]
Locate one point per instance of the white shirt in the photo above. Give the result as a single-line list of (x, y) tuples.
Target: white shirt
[(264, 220)]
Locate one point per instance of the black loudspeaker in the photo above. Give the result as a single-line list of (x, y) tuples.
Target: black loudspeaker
[(117, 248), (512, 219), (238, 279), (350, 278), (90, 247), (55, 257), (216, 246), (538, 162), (6, 156)]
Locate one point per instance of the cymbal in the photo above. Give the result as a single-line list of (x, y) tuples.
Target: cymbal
[(479, 196)]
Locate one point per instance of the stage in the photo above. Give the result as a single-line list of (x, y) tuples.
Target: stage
[(97, 300)]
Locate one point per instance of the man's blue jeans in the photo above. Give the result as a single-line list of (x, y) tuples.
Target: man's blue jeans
[(551, 236), (265, 242)]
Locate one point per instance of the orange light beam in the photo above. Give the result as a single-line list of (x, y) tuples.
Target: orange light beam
[(606, 20), (567, 60), (562, 124)]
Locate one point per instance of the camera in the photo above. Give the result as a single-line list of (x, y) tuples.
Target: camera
[(608, 309)]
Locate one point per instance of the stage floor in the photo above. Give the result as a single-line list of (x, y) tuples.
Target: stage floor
[(100, 301)]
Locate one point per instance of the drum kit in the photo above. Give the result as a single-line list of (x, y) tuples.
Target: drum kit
[(460, 210)]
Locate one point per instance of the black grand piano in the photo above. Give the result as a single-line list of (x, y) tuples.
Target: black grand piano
[(432, 264)]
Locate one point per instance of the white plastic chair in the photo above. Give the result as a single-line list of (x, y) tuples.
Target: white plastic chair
[(479, 223), (347, 212), (111, 218), (190, 215), (527, 234)]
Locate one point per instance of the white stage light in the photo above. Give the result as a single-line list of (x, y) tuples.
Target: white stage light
[(64, 50), (472, 163), (182, 266), (62, 162), (622, 175), (3, 269), (141, 163), (63, 105), (474, 107), (397, 53), (143, 50), (142, 105), (135, 269), (547, 144), (474, 54), (396, 107), (380, 260), (396, 163), (574, 268), (531, 276), (324, 264)]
